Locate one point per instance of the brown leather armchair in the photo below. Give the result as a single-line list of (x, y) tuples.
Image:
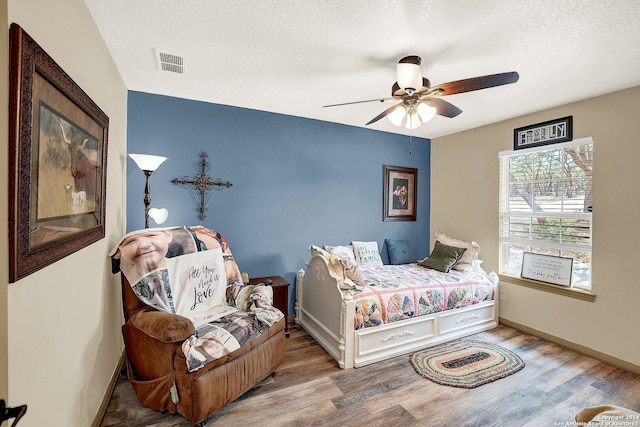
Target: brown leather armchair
[(157, 368)]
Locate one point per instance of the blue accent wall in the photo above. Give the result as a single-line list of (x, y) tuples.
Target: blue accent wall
[(296, 181)]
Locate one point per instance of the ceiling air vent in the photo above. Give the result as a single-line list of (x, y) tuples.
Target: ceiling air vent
[(170, 62)]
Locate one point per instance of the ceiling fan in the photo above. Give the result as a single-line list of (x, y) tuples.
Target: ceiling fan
[(418, 102)]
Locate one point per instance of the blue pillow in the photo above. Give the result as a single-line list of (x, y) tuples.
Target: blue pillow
[(399, 252)]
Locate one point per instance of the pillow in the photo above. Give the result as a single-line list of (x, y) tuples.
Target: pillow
[(399, 252), (345, 252), (465, 263), (443, 257), (367, 254)]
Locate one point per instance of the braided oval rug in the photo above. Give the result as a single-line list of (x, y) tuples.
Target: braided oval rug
[(466, 363)]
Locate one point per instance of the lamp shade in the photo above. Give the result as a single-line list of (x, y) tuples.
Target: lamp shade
[(397, 115), (426, 112), (413, 121), (147, 162), (159, 215), (408, 73)]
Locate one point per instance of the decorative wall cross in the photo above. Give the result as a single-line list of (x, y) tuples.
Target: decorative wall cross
[(203, 185)]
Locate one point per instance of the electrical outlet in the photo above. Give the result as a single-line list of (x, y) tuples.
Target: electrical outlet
[(503, 295)]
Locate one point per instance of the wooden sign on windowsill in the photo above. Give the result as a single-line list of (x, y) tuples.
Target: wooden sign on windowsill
[(547, 268)]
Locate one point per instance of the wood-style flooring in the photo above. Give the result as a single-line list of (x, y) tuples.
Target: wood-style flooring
[(310, 390)]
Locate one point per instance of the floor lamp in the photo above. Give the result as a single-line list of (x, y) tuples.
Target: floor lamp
[(148, 164)]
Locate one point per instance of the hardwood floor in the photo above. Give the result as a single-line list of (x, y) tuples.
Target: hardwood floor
[(310, 390)]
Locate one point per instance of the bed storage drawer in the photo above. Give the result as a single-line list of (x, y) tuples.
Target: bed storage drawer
[(389, 337), (465, 317)]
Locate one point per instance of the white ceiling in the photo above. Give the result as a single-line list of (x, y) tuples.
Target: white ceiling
[(294, 56)]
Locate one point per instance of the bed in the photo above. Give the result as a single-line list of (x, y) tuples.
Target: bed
[(361, 311)]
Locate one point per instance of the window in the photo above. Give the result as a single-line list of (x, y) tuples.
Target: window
[(546, 205)]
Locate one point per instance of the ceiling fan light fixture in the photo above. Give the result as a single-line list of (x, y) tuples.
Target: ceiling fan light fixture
[(397, 116), (413, 121), (408, 73), (418, 102), (426, 112)]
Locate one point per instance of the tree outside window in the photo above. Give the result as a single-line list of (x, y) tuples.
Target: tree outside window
[(546, 202)]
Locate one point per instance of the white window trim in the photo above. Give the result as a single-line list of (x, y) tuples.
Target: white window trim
[(572, 143), (573, 291)]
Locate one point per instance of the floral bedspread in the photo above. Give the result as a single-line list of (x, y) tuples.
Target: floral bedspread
[(398, 292)]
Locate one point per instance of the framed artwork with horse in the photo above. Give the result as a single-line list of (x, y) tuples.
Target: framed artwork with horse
[(57, 161)]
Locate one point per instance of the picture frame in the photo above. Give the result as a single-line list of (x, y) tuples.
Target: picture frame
[(400, 193), (549, 132), (57, 161), (552, 269)]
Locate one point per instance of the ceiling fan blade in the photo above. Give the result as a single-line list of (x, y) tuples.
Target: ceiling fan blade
[(384, 113), (360, 102), (477, 83), (443, 108)]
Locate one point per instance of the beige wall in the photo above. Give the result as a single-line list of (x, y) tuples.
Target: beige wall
[(464, 203), (64, 321)]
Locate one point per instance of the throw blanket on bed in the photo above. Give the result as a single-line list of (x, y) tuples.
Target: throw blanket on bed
[(186, 271), (397, 292)]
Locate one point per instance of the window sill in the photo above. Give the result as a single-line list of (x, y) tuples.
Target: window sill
[(581, 294)]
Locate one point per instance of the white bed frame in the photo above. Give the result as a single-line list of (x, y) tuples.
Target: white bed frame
[(327, 313)]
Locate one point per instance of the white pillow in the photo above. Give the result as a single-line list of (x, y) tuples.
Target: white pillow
[(345, 252), (465, 263), (367, 253)]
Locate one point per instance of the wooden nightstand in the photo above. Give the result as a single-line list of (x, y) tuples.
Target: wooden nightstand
[(280, 296)]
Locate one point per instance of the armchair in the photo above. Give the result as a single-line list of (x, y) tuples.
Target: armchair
[(163, 377), (157, 368)]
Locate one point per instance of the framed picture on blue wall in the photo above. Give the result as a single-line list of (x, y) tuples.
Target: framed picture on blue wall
[(399, 193)]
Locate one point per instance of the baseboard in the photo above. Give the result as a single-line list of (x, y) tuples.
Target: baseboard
[(102, 410), (631, 367)]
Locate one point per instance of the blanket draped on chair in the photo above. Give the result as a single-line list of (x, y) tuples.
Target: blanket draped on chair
[(186, 271)]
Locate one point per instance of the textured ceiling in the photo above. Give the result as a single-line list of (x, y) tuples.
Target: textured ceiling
[(294, 56)]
